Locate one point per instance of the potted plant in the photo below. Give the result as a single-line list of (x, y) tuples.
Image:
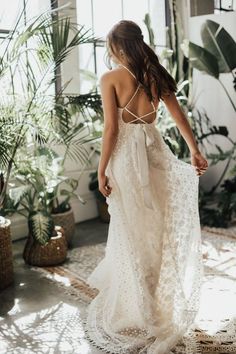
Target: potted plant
[(46, 244), (29, 66), (59, 189), (61, 210)]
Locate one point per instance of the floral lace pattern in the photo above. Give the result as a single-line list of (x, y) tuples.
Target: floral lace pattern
[(150, 277)]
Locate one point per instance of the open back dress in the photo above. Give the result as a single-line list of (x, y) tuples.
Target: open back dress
[(150, 277)]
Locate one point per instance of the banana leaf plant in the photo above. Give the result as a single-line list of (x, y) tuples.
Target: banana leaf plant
[(217, 209), (29, 115), (217, 56)]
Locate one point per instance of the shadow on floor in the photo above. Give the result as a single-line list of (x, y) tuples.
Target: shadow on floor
[(35, 317)]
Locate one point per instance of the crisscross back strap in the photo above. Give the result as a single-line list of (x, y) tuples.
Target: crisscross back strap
[(128, 70), (132, 97), (130, 100)]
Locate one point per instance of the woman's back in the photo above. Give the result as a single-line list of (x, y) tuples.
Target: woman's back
[(132, 98)]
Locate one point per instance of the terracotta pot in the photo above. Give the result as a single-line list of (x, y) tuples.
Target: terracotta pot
[(6, 258), (103, 211), (67, 222), (53, 253)]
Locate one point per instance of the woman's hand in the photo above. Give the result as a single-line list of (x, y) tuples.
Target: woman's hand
[(200, 163), (103, 185)]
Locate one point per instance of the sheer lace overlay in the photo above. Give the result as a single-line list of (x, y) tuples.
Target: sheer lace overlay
[(149, 280)]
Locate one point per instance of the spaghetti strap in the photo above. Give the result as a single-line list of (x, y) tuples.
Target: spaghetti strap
[(128, 70), (132, 97)]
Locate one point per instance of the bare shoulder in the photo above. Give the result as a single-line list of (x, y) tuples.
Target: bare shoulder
[(110, 77)]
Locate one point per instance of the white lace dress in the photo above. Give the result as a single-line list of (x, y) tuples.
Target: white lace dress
[(149, 280)]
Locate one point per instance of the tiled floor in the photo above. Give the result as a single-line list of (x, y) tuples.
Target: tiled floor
[(37, 317)]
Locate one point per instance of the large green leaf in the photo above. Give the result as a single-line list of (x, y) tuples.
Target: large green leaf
[(219, 42), (18, 193), (200, 58), (41, 227)]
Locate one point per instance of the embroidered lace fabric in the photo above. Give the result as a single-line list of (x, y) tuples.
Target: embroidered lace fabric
[(149, 280)]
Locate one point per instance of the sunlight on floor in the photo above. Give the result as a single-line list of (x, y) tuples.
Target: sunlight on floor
[(57, 329), (218, 296)]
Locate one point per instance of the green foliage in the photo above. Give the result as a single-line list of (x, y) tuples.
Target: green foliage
[(33, 115), (219, 42), (29, 110), (221, 212), (216, 56), (201, 59), (41, 189), (41, 226), (147, 21)]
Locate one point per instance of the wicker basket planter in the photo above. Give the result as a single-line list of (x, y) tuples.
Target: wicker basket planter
[(53, 253), (6, 259), (67, 222), (103, 211)]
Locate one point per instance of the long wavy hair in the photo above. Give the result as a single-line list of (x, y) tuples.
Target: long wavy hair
[(127, 36)]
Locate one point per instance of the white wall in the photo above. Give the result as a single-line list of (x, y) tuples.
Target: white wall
[(209, 93)]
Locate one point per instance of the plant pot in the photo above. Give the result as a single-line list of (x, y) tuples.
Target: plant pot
[(51, 254), (67, 222), (103, 211), (6, 258)]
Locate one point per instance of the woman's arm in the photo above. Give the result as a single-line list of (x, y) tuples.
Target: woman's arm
[(186, 131), (110, 130)]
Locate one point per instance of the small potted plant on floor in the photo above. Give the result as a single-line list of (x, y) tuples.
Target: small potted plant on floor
[(27, 110), (46, 244)]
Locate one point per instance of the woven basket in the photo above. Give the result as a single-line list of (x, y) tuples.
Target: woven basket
[(103, 211), (6, 258), (53, 253), (67, 222)]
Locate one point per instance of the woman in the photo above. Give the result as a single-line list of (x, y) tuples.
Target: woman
[(149, 280)]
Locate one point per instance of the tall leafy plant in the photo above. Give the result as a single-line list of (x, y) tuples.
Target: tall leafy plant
[(40, 189), (180, 69), (29, 111), (218, 56)]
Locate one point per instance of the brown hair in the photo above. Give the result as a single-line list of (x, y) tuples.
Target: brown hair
[(127, 35)]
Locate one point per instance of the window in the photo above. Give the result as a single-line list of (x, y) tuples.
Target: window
[(100, 16), (18, 12), (224, 5)]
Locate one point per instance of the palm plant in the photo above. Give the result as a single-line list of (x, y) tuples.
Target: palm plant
[(30, 113), (40, 189)]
